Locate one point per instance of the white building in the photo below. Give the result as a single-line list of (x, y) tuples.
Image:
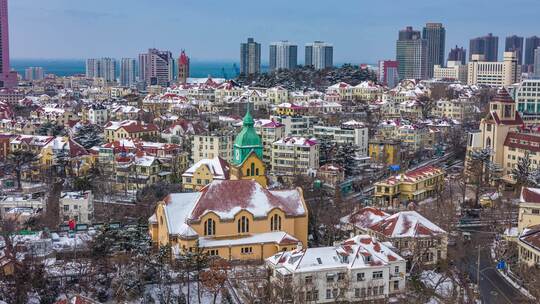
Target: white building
[(453, 70), (98, 114), (319, 54), (208, 146), (352, 132), (77, 206), (101, 68), (298, 125), (295, 155), (356, 270), (127, 72), (527, 97), (494, 74), (537, 62), (283, 55)]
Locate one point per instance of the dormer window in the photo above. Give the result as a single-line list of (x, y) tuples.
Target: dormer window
[(507, 111)]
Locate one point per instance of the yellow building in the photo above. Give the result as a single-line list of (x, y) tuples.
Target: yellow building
[(118, 130), (386, 151), (529, 208), (232, 219), (415, 185), (204, 172), (252, 168), (529, 246), (77, 160), (289, 109)]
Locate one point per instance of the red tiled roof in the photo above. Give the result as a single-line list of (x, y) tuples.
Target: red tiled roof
[(529, 142), (502, 96), (230, 196), (517, 121), (530, 196), (531, 236), (136, 128)]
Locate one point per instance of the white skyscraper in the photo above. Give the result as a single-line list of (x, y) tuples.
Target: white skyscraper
[(101, 68), (33, 73), (537, 62), (127, 72), (283, 55), (319, 54)]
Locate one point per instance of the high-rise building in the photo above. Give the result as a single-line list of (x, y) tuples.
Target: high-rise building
[(283, 55), (320, 55), (183, 67), (127, 72), (536, 68), (515, 44), (101, 68), (388, 73), (156, 67), (531, 44), (250, 57), (411, 54), (8, 78), (486, 45), (458, 54), (33, 73), (435, 36), (495, 74)]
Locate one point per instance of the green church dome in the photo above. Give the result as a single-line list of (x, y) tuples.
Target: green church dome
[(246, 141)]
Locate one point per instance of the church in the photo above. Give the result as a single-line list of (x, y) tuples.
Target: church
[(236, 218)]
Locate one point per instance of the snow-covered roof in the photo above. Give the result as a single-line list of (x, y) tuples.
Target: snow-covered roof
[(217, 166), (276, 237), (365, 217), (406, 224), (297, 141), (359, 252)]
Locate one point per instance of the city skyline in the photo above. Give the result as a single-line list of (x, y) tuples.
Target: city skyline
[(86, 30)]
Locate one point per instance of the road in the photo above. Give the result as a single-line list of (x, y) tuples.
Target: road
[(493, 288)]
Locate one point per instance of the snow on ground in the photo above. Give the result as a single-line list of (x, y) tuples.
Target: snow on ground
[(443, 286), (157, 293)]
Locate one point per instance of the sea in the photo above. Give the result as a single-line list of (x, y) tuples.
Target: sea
[(68, 67)]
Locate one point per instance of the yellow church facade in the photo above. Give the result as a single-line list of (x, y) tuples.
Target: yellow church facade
[(232, 219)]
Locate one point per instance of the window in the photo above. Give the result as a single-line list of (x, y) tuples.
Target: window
[(213, 252), (341, 276), (381, 289), (328, 293), (377, 274), (209, 227), (396, 269), (330, 278), (334, 293), (309, 279), (243, 225), (246, 250), (252, 169), (198, 181), (363, 292), (360, 276), (275, 223), (535, 211), (396, 285), (66, 207), (357, 292)]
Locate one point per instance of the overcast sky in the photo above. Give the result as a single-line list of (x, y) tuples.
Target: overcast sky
[(361, 31)]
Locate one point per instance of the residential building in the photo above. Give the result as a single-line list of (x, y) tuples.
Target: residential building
[(156, 68), (212, 144), (232, 219), (387, 151), (295, 155), (388, 73), (415, 237), (283, 55), (270, 132), (4, 146), (529, 246), (531, 44), (529, 208), (516, 145), (101, 68), (496, 74), (319, 55), (435, 36), (350, 132), (527, 98), (204, 172), (298, 125), (459, 109), (250, 57), (98, 114), (8, 78), (135, 172), (33, 73), (127, 72), (78, 206), (416, 185), (458, 54), (536, 67), (331, 174), (488, 46), (358, 269), (117, 130), (454, 70), (515, 44), (183, 67), (411, 54)]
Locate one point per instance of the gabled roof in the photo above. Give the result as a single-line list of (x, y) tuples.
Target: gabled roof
[(531, 236), (502, 96), (530, 195), (365, 217), (406, 224), (217, 166)]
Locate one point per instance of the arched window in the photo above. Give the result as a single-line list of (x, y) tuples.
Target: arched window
[(252, 169), (275, 222), (488, 142), (243, 225), (209, 227), (257, 171), (248, 173)]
